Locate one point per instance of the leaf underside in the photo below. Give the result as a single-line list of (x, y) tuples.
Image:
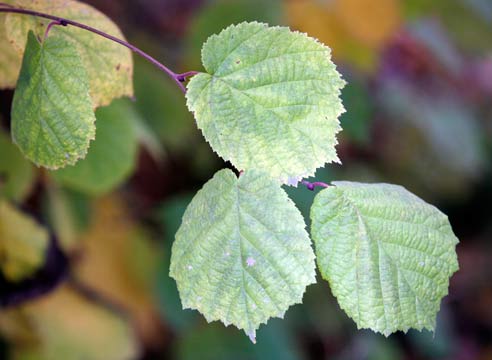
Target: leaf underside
[(52, 116), (269, 100), (242, 254), (387, 254)]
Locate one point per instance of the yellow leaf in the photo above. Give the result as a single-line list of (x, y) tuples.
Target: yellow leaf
[(108, 64), (66, 325), (354, 29), (119, 262), (23, 243), (10, 60), (371, 22)]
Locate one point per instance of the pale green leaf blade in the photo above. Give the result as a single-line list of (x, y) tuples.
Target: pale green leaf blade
[(16, 173), (387, 254), (111, 157), (109, 65), (269, 100), (23, 243), (242, 254), (52, 116)]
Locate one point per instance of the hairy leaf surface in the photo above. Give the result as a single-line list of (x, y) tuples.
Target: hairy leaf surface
[(111, 157), (109, 65), (52, 116), (269, 100), (387, 254), (242, 254), (23, 243)]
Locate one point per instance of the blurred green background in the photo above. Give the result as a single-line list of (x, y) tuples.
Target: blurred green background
[(419, 113)]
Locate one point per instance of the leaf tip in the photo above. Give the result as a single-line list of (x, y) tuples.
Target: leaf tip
[(252, 336)]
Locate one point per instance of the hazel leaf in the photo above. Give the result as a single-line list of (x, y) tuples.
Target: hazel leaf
[(242, 254), (269, 100), (52, 116), (386, 253)]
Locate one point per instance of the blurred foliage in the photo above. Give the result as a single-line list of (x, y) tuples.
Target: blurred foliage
[(23, 243), (333, 22), (419, 113), (218, 14), (111, 156), (50, 328), (16, 173)]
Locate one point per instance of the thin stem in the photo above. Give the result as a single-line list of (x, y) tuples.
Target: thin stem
[(312, 185), (182, 77), (50, 25), (178, 78)]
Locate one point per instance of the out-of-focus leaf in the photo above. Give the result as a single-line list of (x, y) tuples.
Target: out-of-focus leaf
[(430, 138), (109, 65), (354, 29), (368, 22), (52, 115), (42, 281), (148, 138), (121, 264), (16, 173), (66, 325), (23, 243), (111, 157), (162, 106), (219, 14), (10, 60), (469, 29), (62, 217)]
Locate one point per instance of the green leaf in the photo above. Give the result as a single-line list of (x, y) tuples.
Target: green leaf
[(387, 254), (242, 254), (62, 216), (269, 100), (23, 243), (111, 157), (109, 65), (16, 173), (52, 116)]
